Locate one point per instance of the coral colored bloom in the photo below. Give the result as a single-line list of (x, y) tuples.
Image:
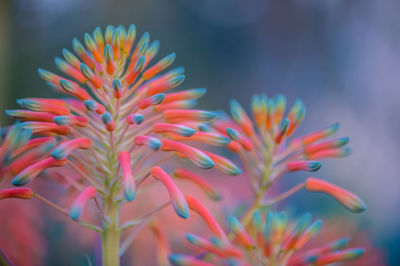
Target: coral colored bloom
[(348, 199)]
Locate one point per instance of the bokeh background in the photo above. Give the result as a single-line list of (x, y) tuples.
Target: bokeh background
[(341, 57)]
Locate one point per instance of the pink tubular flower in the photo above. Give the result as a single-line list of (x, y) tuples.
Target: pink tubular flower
[(80, 202), (177, 198), (20, 193), (127, 177)]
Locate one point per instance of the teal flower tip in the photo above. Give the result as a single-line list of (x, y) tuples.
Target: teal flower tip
[(41, 72), (177, 80), (20, 102), (191, 238), (116, 84), (357, 252), (155, 144), (138, 119), (90, 104), (175, 259), (187, 131), (140, 63), (106, 118), (18, 181), (58, 154), (182, 212), (130, 195), (314, 166), (344, 140), (311, 259), (317, 225), (75, 213), (60, 120), (233, 134), (209, 115), (359, 207), (178, 71), (200, 91), (158, 98), (9, 112), (206, 162), (236, 171), (341, 243), (204, 128)]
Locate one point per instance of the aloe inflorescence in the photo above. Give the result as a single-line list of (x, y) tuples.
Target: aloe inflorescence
[(118, 128)]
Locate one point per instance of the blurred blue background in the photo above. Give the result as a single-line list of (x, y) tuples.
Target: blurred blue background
[(341, 57)]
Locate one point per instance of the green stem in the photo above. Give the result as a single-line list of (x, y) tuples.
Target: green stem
[(110, 237), (256, 204)]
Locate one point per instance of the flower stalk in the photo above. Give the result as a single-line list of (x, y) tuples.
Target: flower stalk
[(111, 232)]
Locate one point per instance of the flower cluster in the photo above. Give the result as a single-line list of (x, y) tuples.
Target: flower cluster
[(267, 153), (267, 150), (119, 124), (270, 239)]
